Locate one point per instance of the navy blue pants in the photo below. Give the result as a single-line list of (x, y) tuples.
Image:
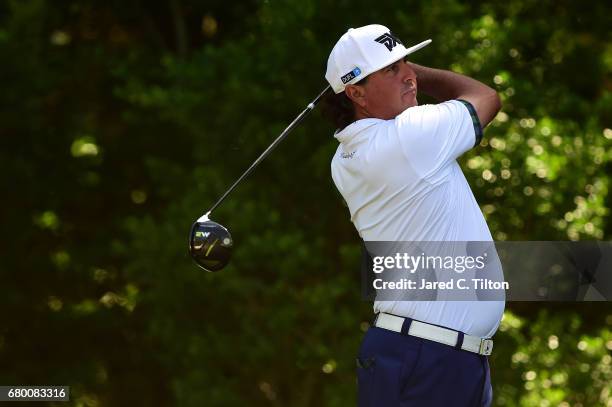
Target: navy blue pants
[(396, 370)]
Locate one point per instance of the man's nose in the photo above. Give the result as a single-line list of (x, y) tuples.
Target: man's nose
[(409, 76), (410, 80)]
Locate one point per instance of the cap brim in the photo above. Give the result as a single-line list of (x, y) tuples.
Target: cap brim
[(402, 55), (418, 46)]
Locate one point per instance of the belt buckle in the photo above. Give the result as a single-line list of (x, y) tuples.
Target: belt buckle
[(486, 347)]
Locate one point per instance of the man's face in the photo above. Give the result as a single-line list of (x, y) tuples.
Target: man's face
[(388, 91)]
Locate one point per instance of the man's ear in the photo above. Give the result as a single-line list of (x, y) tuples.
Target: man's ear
[(356, 93)]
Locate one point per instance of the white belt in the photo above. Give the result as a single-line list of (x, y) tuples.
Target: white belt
[(435, 333)]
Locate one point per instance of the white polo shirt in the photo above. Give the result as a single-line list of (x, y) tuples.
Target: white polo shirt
[(401, 182)]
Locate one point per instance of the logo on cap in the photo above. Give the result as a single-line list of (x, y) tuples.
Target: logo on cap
[(388, 40), (351, 75)]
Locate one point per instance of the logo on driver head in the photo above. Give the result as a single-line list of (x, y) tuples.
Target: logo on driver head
[(388, 40)]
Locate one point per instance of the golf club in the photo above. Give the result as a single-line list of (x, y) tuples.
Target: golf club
[(210, 244)]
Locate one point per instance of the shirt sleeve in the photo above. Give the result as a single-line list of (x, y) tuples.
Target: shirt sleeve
[(431, 136)]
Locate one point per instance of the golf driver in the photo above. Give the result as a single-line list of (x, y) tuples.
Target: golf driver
[(210, 244)]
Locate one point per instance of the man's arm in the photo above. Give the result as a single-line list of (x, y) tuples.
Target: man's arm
[(446, 85)]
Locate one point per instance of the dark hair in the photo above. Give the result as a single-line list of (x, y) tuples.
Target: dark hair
[(339, 109)]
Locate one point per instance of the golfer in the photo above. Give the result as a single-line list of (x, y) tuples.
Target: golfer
[(396, 169)]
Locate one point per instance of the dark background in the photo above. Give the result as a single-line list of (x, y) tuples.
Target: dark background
[(123, 121)]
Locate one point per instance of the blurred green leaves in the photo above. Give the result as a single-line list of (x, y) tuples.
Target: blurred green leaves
[(552, 358)]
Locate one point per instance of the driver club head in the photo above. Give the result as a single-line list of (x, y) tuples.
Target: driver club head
[(210, 245)]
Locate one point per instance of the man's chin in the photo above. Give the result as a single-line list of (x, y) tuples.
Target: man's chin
[(410, 100), (412, 103)]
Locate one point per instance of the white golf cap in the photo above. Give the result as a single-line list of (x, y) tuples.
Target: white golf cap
[(362, 51)]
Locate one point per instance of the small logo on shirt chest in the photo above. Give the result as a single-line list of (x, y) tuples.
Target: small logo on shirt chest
[(347, 155)]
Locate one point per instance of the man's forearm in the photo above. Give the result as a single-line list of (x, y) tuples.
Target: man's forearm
[(445, 85)]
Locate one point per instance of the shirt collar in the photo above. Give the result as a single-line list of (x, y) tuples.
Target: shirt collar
[(354, 129)]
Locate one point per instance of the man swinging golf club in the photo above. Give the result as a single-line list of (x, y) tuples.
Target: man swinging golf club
[(396, 169)]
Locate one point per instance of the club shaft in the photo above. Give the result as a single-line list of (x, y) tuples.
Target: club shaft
[(268, 150)]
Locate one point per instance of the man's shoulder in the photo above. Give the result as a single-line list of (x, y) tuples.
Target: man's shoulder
[(430, 108), (431, 119)]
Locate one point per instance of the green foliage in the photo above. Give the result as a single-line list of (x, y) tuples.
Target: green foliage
[(123, 121), (544, 359)]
